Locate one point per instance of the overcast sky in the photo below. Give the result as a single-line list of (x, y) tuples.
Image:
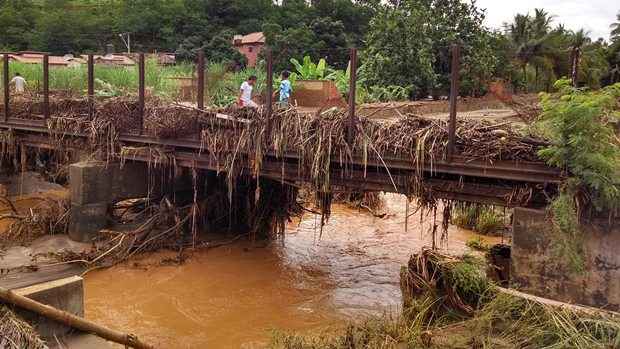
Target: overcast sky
[(593, 15)]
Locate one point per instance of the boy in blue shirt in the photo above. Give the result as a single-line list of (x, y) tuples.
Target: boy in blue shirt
[(285, 89)]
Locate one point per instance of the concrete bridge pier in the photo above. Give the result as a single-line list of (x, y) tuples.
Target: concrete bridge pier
[(536, 268), (96, 185)]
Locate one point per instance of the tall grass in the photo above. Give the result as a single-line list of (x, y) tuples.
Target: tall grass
[(223, 85), (482, 219), (158, 79)]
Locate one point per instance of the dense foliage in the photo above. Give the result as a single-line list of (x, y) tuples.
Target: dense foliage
[(410, 44), (404, 45), (582, 126)]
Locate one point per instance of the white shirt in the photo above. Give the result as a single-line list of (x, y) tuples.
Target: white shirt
[(246, 93), (20, 83)]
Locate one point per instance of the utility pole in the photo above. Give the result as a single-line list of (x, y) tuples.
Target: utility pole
[(126, 42)]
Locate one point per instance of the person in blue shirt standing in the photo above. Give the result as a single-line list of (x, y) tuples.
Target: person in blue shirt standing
[(285, 90)]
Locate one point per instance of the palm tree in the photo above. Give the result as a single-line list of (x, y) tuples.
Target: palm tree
[(578, 40), (541, 26), (531, 39), (519, 32)]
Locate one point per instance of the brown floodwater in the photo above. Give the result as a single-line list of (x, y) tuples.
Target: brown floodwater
[(233, 296)]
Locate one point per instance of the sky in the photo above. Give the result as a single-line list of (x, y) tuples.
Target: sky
[(593, 15)]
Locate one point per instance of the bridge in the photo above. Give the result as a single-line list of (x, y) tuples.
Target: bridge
[(449, 175)]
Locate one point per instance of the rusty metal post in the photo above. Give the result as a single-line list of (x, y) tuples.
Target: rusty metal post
[(352, 92), (91, 78), (200, 71), (46, 86), (6, 87), (269, 82), (141, 90), (454, 94), (91, 84)]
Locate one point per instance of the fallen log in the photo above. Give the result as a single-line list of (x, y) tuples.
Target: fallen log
[(72, 320)]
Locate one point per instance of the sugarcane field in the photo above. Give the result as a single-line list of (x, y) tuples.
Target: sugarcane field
[(294, 174)]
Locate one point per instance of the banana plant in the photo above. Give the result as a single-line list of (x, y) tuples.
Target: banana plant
[(309, 70)]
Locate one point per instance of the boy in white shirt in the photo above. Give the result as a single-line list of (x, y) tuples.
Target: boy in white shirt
[(20, 83), (245, 93)]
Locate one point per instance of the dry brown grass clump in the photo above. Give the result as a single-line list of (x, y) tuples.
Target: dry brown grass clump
[(15, 333)]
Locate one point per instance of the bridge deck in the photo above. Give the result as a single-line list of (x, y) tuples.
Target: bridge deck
[(498, 182)]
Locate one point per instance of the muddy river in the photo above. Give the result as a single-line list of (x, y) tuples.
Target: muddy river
[(233, 296)]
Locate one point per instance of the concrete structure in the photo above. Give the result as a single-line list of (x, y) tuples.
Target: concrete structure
[(95, 186), (317, 94), (250, 46), (64, 294), (535, 269)]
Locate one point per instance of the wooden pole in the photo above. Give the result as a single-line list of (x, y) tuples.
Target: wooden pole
[(141, 90), (6, 87), (269, 82), (72, 320), (46, 86), (200, 71), (454, 94), (352, 92), (91, 84)]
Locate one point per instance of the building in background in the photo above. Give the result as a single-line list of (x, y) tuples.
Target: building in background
[(250, 46), (112, 59), (33, 57)]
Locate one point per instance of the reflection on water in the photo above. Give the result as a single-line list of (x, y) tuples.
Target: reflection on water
[(232, 296)]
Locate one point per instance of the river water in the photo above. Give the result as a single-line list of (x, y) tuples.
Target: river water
[(233, 296)]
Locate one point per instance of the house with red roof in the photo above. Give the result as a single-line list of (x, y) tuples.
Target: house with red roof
[(250, 46)]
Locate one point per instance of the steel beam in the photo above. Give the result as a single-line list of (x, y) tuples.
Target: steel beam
[(200, 86), (454, 95), (352, 95), (6, 83), (141, 90), (46, 86)]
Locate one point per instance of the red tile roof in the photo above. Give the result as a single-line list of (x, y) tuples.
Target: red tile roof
[(30, 57), (251, 38)]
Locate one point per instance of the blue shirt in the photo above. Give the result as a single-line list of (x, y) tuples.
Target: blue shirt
[(285, 90)]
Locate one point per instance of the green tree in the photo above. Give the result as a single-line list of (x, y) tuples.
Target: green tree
[(615, 29), (533, 43), (409, 43), (399, 51), (17, 24)]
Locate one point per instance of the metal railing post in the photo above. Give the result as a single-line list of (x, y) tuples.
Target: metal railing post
[(454, 94), (200, 71), (46, 86), (352, 93), (269, 82), (141, 90), (91, 84), (6, 83)]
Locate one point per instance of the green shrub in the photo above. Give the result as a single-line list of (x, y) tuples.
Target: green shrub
[(482, 219), (581, 127)]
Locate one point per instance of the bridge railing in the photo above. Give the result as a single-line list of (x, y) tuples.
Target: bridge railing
[(200, 89)]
